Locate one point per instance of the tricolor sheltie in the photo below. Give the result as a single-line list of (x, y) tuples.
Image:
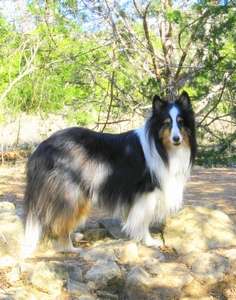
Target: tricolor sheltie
[(139, 175)]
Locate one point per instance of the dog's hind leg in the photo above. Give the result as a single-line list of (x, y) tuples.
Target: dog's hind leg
[(64, 244), (33, 230), (66, 223)]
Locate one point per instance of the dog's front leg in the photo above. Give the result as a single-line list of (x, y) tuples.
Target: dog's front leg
[(140, 217)]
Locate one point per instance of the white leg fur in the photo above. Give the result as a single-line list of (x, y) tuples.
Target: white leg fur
[(140, 216), (77, 236), (66, 245), (149, 241), (32, 235)]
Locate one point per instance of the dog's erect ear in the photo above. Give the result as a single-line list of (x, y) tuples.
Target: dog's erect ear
[(184, 100), (157, 103)]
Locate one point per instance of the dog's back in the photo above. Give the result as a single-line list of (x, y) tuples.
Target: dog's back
[(74, 168)]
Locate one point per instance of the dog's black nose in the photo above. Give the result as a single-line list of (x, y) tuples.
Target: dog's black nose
[(176, 139)]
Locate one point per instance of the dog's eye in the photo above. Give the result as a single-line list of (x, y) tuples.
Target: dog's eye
[(167, 122)]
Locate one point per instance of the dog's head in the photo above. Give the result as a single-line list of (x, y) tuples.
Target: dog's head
[(172, 123)]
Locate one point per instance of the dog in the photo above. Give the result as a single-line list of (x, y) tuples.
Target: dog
[(138, 175)]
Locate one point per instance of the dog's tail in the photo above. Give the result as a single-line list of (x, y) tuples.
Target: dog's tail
[(33, 231)]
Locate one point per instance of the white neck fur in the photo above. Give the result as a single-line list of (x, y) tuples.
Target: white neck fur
[(172, 177)]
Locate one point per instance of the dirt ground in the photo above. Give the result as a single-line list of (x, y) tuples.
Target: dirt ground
[(214, 188)]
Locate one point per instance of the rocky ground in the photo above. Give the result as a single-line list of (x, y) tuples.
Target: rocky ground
[(198, 260)]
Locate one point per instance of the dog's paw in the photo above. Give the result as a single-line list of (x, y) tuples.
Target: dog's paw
[(61, 247), (75, 250), (77, 237), (151, 242)]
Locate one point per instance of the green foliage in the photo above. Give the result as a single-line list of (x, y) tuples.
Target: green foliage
[(174, 16), (65, 66), (213, 157)]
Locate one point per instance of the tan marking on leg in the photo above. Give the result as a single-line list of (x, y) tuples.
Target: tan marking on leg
[(66, 223)]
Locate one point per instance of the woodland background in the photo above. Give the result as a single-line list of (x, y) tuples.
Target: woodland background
[(99, 63)]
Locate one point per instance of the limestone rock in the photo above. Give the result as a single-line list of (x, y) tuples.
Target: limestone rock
[(49, 277), (98, 253), (206, 266), (171, 274), (86, 297), (74, 270), (141, 286), (76, 288), (229, 291), (22, 293), (129, 252), (104, 273), (195, 290), (14, 275), (199, 229), (137, 284), (107, 295), (6, 206), (11, 230), (139, 275), (229, 253), (233, 268)]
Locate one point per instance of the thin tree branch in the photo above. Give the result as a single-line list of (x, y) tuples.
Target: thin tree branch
[(215, 104), (217, 101), (186, 48), (28, 69), (111, 100), (148, 38), (112, 122)]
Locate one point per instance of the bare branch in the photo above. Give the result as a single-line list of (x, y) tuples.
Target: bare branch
[(215, 90), (191, 39), (28, 69), (212, 120), (215, 104), (148, 39), (113, 122)]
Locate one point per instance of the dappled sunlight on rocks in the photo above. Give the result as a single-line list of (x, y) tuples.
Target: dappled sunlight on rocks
[(198, 257), (199, 228)]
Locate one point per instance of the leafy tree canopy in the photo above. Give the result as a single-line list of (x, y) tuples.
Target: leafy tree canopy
[(103, 61)]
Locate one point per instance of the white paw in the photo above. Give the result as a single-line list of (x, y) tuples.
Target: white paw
[(150, 242), (77, 237), (70, 249), (26, 252), (74, 250), (66, 247)]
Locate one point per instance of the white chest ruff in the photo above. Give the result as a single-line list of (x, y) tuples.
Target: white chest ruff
[(172, 178)]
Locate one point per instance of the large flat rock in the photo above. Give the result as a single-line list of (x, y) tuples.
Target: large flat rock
[(199, 229)]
